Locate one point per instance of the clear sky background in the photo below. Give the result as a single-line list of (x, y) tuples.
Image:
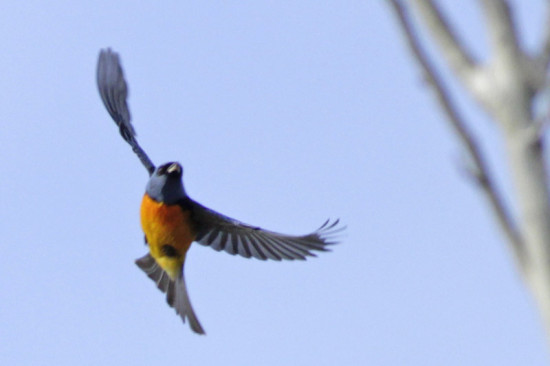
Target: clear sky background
[(283, 113)]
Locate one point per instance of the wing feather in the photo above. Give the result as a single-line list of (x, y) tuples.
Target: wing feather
[(113, 90), (221, 232), (242, 248)]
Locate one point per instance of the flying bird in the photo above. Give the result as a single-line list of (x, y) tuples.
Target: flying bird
[(171, 220)]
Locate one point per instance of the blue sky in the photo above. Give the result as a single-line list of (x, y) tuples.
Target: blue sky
[(283, 114)]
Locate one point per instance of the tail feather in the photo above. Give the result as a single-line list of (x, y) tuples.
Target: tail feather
[(176, 291)]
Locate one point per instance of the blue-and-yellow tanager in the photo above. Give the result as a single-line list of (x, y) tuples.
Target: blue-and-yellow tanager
[(171, 220)]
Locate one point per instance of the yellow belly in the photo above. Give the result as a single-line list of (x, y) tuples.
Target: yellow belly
[(166, 225)]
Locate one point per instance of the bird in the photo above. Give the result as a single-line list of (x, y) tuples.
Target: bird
[(171, 220)]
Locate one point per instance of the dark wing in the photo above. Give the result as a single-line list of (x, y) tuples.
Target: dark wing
[(224, 233), (114, 92)]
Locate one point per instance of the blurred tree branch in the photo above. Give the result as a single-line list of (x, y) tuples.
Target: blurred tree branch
[(506, 86)]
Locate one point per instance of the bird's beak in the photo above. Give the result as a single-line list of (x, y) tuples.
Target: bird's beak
[(175, 167)]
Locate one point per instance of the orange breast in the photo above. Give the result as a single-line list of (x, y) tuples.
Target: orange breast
[(166, 225)]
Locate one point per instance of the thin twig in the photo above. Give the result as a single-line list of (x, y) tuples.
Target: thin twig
[(480, 168), (502, 30), (544, 55), (458, 56)]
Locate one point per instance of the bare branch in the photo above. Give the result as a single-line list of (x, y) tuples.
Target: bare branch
[(502, 30), (480, 170), (458, 57), (544, 55)]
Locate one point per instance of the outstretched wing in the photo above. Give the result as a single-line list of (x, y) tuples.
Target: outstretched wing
[(224, 233), (114, 92)]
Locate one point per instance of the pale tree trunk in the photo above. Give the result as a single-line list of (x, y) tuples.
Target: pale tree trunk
[(506, 86)]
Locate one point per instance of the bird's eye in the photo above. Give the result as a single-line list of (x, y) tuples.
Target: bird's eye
[(161, 170)]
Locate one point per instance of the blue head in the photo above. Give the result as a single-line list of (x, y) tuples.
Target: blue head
[(166, 185)]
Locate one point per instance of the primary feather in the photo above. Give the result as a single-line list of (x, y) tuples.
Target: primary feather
[(114, 93), (224, 233)]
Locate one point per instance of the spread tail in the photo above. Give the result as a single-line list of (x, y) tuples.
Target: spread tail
[(176, 291)]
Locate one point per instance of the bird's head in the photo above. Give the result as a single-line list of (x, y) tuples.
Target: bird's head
[(166, 185)]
